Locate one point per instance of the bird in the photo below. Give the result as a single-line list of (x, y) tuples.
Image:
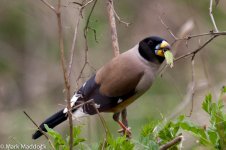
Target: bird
[(116, 84)]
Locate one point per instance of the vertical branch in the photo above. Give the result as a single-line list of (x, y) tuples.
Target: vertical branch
[(86, 42), (73, 48), (211, 16), (192, 84), (64, 68), (114, 37), (57, 11)]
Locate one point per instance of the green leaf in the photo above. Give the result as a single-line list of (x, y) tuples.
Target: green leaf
[(213, 136), (169, 58), (207, 104), (58, 139), (149, 129), (120, 143)]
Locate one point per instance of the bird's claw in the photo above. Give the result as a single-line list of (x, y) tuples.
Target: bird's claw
[(126, 132)]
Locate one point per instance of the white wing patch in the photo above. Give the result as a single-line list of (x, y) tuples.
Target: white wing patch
[(73, 100), (97, 105), (119, 100), (84, 84), (79, 113)]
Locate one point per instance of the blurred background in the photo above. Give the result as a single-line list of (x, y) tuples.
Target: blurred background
[(31, 77)]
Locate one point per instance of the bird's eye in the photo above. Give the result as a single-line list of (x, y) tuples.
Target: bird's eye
[(164, 49)]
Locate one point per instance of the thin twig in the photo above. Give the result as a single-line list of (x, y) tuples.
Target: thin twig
[(120, 20), (95, 33), (103, 145), (88, 19), (197, 50), (114, 37), (174, 142), (86, 43), (202, 34), (192, 84), (103, 122), (79, 105), (50, 6), (83, 6), (73, 47), (211, 16), (77, 3), (167, 28), (44, 133)]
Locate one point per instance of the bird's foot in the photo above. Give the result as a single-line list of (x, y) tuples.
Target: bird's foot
[(126, 131)]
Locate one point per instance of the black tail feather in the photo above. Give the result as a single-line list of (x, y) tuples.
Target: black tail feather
[(52, 121)]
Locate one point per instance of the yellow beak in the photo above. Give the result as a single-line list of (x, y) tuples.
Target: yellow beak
[(161, 48)]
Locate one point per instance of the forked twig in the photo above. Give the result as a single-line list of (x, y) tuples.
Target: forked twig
[(211, 16), (44, 133)]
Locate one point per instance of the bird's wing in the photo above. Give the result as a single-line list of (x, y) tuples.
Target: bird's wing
[(120, 76)]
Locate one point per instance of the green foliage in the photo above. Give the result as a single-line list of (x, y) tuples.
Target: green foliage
[(157, 133), (217, 129), (120, 143), (60, 143)]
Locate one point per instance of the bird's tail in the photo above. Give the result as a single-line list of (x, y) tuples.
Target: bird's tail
[(52, 121)]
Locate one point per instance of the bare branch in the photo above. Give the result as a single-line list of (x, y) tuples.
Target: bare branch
[(73, 48), (103, 122), (88, 19), (197, 50), (168, 29), (66, 79), (83, 6), (49, 5), (77, 3), (202, 34), (86, 42), (211, 16), (192, 84), (63, 64), (114, 37), (120, 20), (175, 141), (44, 133)]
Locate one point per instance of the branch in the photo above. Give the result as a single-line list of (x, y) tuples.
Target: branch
[(86, 43), (66, 79), (50, 6), (197, 50), (174, 142), (63, 64), (103, 122), (120, 20), (73, 48), (114, 37), (202, 34), (192, 84), (83, 6), (211, 16), (168, 29), (44, 133)]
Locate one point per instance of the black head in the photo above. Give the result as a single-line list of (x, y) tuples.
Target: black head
[(153, 48)]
